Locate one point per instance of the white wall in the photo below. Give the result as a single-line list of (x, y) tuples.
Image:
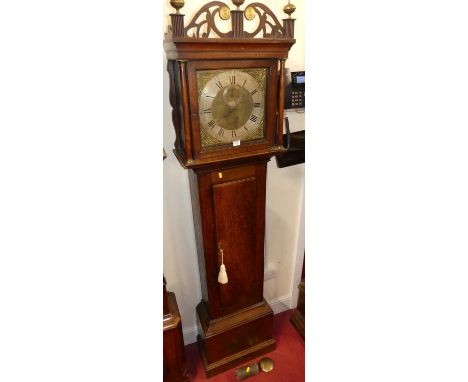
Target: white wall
[(284, 237)]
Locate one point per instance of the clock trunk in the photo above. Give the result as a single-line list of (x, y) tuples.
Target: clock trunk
[(229, 213)]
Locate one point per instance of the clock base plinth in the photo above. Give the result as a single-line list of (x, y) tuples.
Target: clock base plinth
[(231, 340)]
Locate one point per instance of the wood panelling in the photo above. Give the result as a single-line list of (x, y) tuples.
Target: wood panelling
[(229, 210)]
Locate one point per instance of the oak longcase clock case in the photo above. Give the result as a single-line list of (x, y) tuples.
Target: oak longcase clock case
[(227, 97)]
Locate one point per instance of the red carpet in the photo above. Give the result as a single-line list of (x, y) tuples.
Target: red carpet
[(288, 357)]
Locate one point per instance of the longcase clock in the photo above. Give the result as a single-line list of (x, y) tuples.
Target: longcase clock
[(226, 91)]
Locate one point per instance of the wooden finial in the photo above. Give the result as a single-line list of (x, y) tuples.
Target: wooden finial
[(238, 3), (177, 4), (289, 8)]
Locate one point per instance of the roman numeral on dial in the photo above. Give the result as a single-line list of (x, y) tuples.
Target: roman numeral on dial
[(233, 133), (232, 80), (219, 84), (211, 124), (256, 104), (221, 133), (253, 92), (253, 118)]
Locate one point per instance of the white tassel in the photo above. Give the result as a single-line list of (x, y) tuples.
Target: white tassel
[(222, 275)]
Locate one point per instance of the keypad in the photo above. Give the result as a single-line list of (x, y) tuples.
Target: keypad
[(298, 99)]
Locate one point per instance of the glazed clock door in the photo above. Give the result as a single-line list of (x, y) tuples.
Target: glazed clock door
[(232, 105)]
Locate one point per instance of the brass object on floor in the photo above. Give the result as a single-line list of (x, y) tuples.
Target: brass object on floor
[(247, 371), (266, 364)]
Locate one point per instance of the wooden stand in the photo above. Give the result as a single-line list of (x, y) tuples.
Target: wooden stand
[(174, 367)]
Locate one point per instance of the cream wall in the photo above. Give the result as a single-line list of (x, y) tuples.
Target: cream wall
[(284, 236)]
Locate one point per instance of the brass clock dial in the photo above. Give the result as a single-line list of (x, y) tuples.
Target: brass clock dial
[(231, 105)]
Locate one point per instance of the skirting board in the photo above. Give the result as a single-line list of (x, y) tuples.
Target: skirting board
[(278, 305)]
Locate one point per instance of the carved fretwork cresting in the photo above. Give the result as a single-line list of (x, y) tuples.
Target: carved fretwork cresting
[(206, 16), (203, 23), (267, 19)]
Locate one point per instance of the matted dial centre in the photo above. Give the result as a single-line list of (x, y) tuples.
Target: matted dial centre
[(232, 107)]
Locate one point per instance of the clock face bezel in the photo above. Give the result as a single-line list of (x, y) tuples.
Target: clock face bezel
[(270, 107)]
